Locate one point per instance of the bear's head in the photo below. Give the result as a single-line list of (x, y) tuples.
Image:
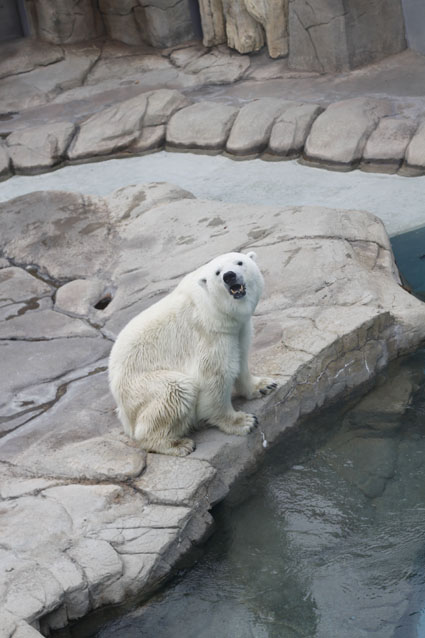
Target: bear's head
[(234, 281)]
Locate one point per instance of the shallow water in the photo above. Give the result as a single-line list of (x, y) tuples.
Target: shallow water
[(326, 540)]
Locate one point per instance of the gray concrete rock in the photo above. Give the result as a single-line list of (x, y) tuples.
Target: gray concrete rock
[(118, 127), (133, 201), (166, 480), (290, 130), (37, 324), (109, 131), (415, 153), (332, 142), (18, 285), (120, 67), (204, 125), (152, 138), (251, 129), (78, 297), (386, 147), (70, 213), (219, 66), (162, 104), (63, 22), (40, 147), (4, 161), (331, 37), (164, 23), (120, 22), (45, 82), (23, 55), (53, 364), (49, 445)]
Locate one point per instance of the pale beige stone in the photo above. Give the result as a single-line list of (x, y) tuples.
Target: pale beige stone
[(415, 152), (213, 24), (273, 16), (388, 142), (39, 147), (109, 131), (290, 130), (332, 140), (243, 32), (203, 125), (251, 129)]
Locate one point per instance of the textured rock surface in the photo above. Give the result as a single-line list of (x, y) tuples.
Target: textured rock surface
[(332, 141), (4, 161), (107, 520), (39, 147), (62, 21), (205, 125), (251, 129), (111, 130), (415, 152), (119, 127), (332, 36), (243, 32), (290, 130), (387, 144), (273, 16), (164, 22)]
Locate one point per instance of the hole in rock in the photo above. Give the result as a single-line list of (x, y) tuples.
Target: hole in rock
[(103, 302)]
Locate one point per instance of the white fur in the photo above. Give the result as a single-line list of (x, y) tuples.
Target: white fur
[(176, 363)]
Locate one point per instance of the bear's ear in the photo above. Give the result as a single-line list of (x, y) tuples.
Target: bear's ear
[(203, 283), (252, 256)]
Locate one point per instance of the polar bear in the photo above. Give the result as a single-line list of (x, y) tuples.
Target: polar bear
[(175, 364)]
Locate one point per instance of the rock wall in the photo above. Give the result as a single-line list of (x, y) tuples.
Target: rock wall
[(331, 35), (337, 35), (159, 23)]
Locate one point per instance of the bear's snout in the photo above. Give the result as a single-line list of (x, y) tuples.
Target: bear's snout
[(229, 277)]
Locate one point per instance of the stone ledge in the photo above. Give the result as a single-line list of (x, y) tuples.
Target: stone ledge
[(269, 128), (109, 522)]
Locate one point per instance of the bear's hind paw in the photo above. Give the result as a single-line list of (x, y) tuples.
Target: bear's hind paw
[(179, 447), (243, 424)]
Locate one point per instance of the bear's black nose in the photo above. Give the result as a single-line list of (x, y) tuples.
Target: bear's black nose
[(229, 277)]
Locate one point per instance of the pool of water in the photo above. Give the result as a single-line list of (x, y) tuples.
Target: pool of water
[(326, 540)]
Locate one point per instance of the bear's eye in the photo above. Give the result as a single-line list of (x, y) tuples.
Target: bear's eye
[(218, 272), (240, 263)]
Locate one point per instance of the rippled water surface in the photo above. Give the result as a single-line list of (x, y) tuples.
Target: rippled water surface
[(326, 540)]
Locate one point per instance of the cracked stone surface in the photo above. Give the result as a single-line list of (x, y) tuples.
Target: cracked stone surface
[(108, 520)]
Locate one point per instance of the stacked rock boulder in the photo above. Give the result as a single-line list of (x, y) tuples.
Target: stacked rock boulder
[(376, 139), (88, 518)]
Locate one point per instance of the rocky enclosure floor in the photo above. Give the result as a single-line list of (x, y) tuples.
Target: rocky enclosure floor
[(78, 102), (88, 518)]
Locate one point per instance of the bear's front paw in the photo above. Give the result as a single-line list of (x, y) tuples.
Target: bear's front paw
[(241, 424), (260, 387)]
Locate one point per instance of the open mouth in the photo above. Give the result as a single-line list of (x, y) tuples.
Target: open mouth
[(237, 290)]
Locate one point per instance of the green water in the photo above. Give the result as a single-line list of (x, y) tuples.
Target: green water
[(409, 251)]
